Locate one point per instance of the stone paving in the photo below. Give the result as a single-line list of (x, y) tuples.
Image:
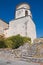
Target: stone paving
[(9, 62)]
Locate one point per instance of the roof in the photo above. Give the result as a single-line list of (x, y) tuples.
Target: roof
[(23, 5), (4, 21)]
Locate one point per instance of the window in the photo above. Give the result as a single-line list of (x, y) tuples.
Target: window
[(26, 13)]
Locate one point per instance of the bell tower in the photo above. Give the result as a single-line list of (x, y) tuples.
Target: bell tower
[(23, 10)]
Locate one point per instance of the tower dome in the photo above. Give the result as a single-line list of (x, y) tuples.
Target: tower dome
[(23, 5)]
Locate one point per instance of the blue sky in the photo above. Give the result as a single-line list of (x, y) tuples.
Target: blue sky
[(8, 8)]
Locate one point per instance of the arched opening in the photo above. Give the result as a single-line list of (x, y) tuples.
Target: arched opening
[(26, 13)]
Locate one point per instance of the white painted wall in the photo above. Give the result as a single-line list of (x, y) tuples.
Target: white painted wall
[(31, 29), (29, 13), (20, 13), (18, 27)]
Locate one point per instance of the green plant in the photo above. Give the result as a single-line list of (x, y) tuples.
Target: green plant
[(8, 43), (14, 41), (2, 44)]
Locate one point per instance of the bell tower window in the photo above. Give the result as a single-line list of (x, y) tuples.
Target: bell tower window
[(26, 13)]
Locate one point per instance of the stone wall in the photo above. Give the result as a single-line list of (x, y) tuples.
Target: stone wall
[(23, 26), (27, 52)]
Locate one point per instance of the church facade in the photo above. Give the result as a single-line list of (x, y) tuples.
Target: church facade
[(23, 23)]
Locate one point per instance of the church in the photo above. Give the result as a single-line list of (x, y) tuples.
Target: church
[(22, 24)]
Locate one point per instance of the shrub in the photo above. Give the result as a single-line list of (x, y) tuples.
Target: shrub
[(8, 43), (26, 39), (2, 44), (18, 40), (14, 41)]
